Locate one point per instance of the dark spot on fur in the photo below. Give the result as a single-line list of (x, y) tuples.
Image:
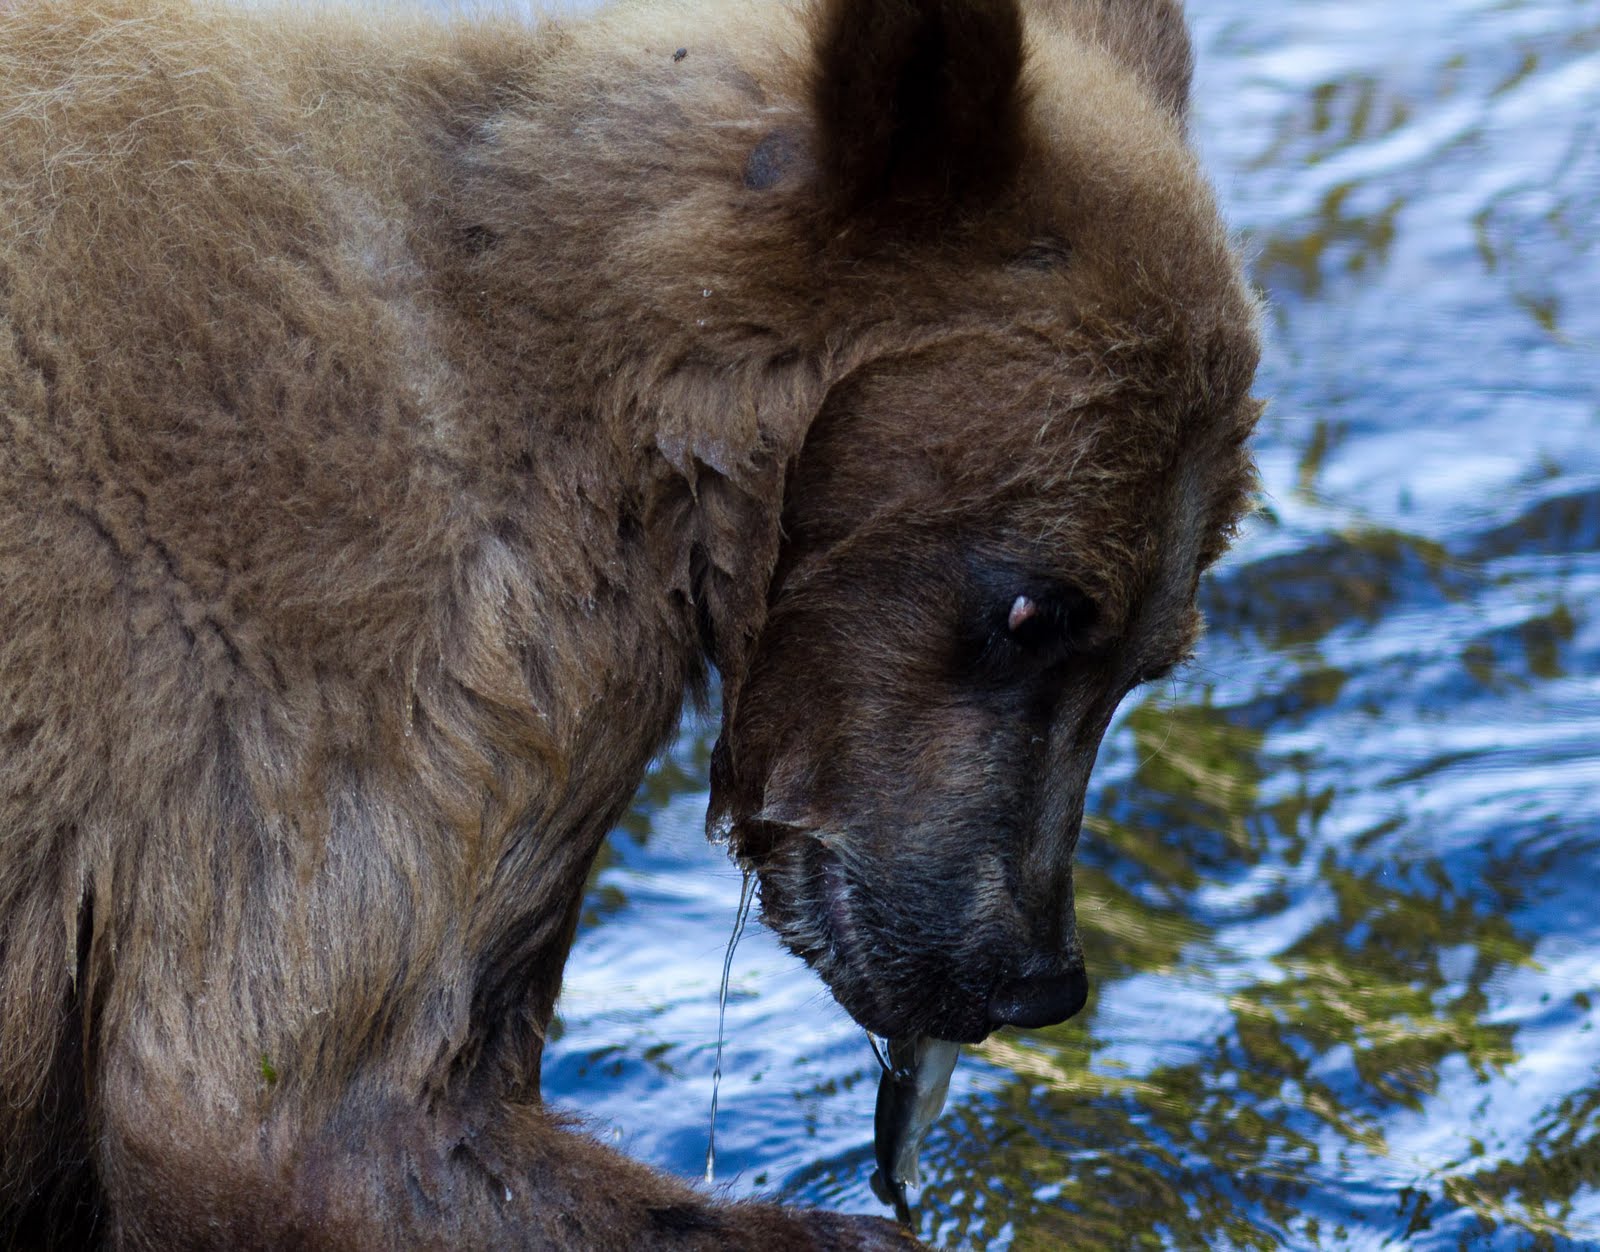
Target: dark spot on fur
[(629, 528), (1044, 255), (19, 735), (683, 1219), (770, 160), (478, 239)]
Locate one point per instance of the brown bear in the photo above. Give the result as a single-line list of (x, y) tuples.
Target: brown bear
[(399, 417)]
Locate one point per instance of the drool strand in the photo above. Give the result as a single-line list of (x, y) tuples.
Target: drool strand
[(746, 893)]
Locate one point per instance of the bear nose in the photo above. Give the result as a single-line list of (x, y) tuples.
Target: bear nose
[(1033, 1002)]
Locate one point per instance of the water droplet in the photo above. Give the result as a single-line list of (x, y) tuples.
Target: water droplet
[(746, 894)]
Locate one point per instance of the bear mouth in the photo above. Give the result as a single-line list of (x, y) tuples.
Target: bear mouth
[(887, 982)]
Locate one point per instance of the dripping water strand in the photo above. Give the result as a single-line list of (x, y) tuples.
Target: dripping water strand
[(745, 895)]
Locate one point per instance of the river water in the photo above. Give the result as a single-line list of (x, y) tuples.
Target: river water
[(1340, 889)]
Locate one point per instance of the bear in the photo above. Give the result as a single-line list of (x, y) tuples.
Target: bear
[(402, 417)]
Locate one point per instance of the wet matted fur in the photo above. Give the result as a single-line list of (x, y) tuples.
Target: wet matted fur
[(398, 418)]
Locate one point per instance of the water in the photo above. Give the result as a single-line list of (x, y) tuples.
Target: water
[(746, 894), (1340, 890)]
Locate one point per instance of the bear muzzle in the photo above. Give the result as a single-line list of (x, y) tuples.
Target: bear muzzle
[(1042, 1001), (897, 970)]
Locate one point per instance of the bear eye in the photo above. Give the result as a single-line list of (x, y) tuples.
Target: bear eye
[(1019, 627), (1043, 621), (1026, 623)]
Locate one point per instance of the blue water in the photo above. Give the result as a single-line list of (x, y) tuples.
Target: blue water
[(1340, 890)]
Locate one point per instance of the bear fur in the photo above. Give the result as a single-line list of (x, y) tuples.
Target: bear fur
[(399, 417)]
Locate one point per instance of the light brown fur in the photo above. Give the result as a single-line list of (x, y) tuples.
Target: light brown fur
[(396, 418)]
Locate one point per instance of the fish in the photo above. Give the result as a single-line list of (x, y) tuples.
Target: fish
[(911, 1094)]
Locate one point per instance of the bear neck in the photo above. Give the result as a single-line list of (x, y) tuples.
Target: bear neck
[(611, 472)]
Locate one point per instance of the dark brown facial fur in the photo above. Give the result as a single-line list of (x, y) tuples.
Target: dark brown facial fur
[(906, 769), (398, 419), (907, 772)]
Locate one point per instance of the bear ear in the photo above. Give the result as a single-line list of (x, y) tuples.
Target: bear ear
[(918, 103), (1149, 37)]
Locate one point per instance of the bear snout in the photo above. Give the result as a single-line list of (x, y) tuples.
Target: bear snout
[(1043, 1001), (909, 955)]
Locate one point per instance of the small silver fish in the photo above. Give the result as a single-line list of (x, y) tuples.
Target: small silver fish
[(911, 1095)]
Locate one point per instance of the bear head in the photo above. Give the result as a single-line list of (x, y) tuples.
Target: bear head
[(1028, 443)]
